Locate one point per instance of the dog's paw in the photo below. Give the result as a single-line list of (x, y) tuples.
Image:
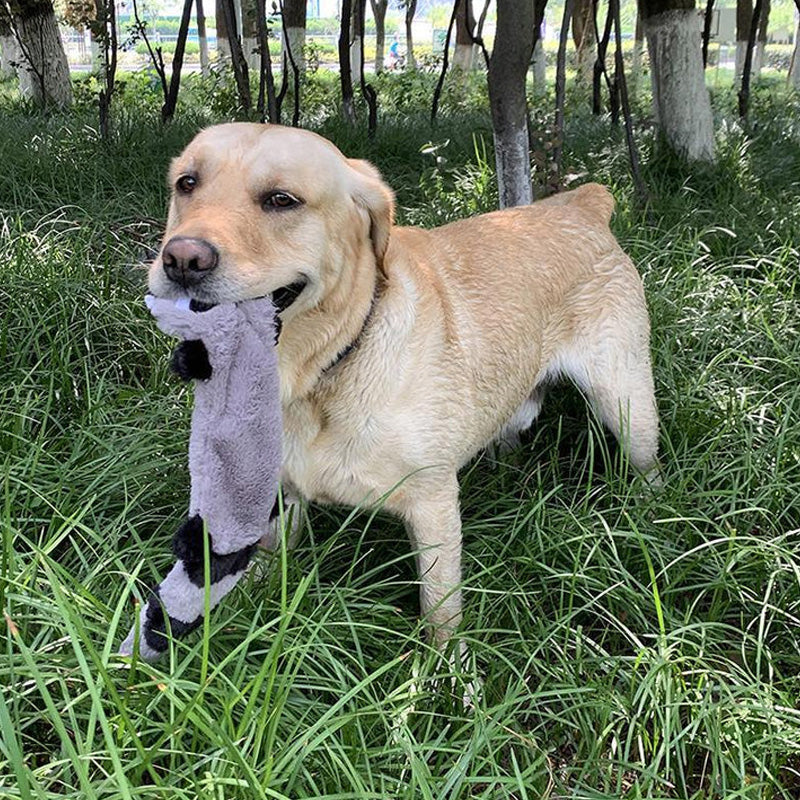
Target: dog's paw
[(190, 360)]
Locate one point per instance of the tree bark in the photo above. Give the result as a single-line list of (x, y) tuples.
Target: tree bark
[(379, 13), (638, 47), (708, 18), (250, 33), (600, 70), (223, 41), (681, 103), (744, 16), (411, 9), (554, 181), (464, 53), (8, 45), (105, 24), (794, 66), (539, 69), (43, 71), (238, 61), (367, 91), (345, 72), (761, 40), (356, 38), (267, 99), (744, 91), (202, 37), (294, 24), (584, 34), (168, 109), (508, 67)]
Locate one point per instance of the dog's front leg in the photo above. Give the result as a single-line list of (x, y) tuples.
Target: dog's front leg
[(433, 522)]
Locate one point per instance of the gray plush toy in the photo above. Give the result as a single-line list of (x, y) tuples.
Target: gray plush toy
[(234, 458)]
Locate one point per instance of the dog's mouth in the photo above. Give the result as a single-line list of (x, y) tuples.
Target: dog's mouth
[(282, 298)]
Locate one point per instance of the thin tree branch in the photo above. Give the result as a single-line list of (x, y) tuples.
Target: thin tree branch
[(437, 92)]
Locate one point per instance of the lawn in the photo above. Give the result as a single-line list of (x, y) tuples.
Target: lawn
[(628, 644)]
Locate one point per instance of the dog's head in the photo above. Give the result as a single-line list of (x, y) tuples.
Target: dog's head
[(258, 208)]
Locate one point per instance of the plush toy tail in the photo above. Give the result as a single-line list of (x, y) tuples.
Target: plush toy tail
[(181, 597)]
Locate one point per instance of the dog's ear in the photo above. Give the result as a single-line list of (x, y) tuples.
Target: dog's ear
[(372, 194)]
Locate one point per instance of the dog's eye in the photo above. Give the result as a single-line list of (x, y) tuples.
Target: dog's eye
[(186, 184), (279, 201)]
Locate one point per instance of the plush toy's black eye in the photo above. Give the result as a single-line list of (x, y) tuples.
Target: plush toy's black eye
[(279, 201), (186, 184)]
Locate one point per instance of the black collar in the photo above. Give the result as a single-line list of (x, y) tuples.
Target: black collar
[(345, 351)]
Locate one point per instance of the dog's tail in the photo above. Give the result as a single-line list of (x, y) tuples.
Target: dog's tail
[(592, 198)]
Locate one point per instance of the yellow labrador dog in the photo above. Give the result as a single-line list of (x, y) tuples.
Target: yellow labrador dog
[(404, 352)]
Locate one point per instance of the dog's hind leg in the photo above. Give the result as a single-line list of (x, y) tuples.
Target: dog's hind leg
[(613, 369)]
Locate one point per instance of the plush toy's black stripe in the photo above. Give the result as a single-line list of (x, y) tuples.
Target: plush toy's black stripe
[(188, 547), (190, 360), (155, 628)]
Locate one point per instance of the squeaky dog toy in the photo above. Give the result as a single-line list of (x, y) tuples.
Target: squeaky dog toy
[(234, 459)]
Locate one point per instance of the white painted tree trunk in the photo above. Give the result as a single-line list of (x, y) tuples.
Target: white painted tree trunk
[(758, 61), (539, 69), (296, 37), (355, 58), (463, 57), (681, 103), (251, 54), (512, 158), (8, 53), (794, 70), (741, 50), (45, 78)]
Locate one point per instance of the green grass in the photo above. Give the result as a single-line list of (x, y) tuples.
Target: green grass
[(628, 645)]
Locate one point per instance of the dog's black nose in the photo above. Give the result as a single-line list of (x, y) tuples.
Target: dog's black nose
[(187, 261)]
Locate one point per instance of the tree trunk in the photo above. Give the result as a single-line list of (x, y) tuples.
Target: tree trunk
[(708, 19), (539, 69), (238, 61), (508, 67), (411, 9), (584, 34), (294, 21), (105, 24), (356, 39), (250, 34), (744, 16), (267, 98), (681, 104), (379, 13), (168, 109), (202, 36), (8, 46), (43, 70), (761, 41), (367, 91), (747, 68), (464, 53), (223, 42), (794, 67), (638, 46), (345, 71)]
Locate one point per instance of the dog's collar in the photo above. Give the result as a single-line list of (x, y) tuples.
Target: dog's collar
[(345, 351)]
